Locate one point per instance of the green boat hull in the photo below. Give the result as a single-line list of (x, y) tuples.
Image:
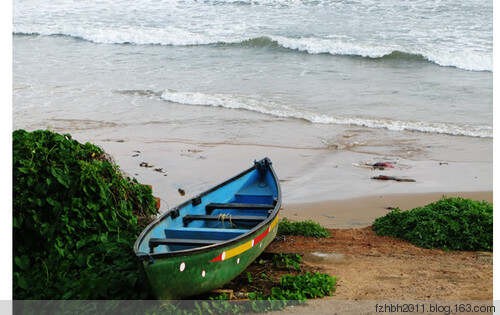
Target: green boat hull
[(182, 276)]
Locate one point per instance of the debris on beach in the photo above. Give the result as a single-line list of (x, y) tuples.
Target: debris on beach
[(443, 163), (398, 179), (145, 164), (376, 166), (383, 165), (181, 191), (134, 155), (160, 170), (157, 203), (193, 153), (229, 293)]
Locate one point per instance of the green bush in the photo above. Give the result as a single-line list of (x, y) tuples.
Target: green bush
[(74, 220), (450, 223), (304, 286), (304, 228)]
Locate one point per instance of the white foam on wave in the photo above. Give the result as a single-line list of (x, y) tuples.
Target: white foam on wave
[(464, 59), (130, 35), (284, 111), (314, 45)]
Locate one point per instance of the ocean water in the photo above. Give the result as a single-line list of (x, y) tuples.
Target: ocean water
[(285, 72)]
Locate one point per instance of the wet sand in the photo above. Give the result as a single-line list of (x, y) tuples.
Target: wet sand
[(308, 174)]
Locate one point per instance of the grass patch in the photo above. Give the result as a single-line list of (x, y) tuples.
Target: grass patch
[(75, 219), (450, 223), (304, 228)]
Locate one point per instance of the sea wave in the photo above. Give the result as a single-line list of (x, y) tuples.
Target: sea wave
[(168, 36), (171, 36), (283, 111)]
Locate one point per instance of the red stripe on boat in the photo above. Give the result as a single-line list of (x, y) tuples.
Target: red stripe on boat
[(218, 258), (260, 237)]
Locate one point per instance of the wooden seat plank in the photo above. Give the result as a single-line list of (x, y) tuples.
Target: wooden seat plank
[(153, 242), (238, 206), (253, 218)]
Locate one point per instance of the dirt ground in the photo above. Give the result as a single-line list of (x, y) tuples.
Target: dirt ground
[(371, 267)]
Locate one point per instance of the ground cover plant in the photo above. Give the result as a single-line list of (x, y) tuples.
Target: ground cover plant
[(282, 277), (304, 228), (288, 261), (271, 282), (75, 219), (450, 223)]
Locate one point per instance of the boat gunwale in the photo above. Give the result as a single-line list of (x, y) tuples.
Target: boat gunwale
[(202, 249)]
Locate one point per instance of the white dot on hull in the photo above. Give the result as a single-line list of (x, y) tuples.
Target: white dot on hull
[(182, 266)]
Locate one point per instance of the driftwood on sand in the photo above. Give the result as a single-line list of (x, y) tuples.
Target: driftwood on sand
[(398, 179)]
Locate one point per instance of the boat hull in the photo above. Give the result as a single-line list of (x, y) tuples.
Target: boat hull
[(188, 275), (211, 238)]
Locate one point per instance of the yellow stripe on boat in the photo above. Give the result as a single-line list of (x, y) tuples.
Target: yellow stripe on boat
[(238, 250), (273, 224), (247, 245)]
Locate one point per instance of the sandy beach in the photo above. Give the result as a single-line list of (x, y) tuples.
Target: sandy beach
[(371, 267), (310, 178), (311, 175)]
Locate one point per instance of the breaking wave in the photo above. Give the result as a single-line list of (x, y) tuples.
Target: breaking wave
[(170, 36), (278, 110)]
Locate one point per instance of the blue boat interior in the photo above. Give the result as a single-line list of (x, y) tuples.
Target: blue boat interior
[(224, 213)]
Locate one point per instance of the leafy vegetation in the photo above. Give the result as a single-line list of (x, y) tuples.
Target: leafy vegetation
[(271, 282), (304, 228), (290, 290), (304, 286), (287, 261), (450, 223), (75, 218)]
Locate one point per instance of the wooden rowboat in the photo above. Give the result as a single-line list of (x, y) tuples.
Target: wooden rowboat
[(210, 239)]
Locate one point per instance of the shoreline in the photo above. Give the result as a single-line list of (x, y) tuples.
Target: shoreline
[(354, 212)]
